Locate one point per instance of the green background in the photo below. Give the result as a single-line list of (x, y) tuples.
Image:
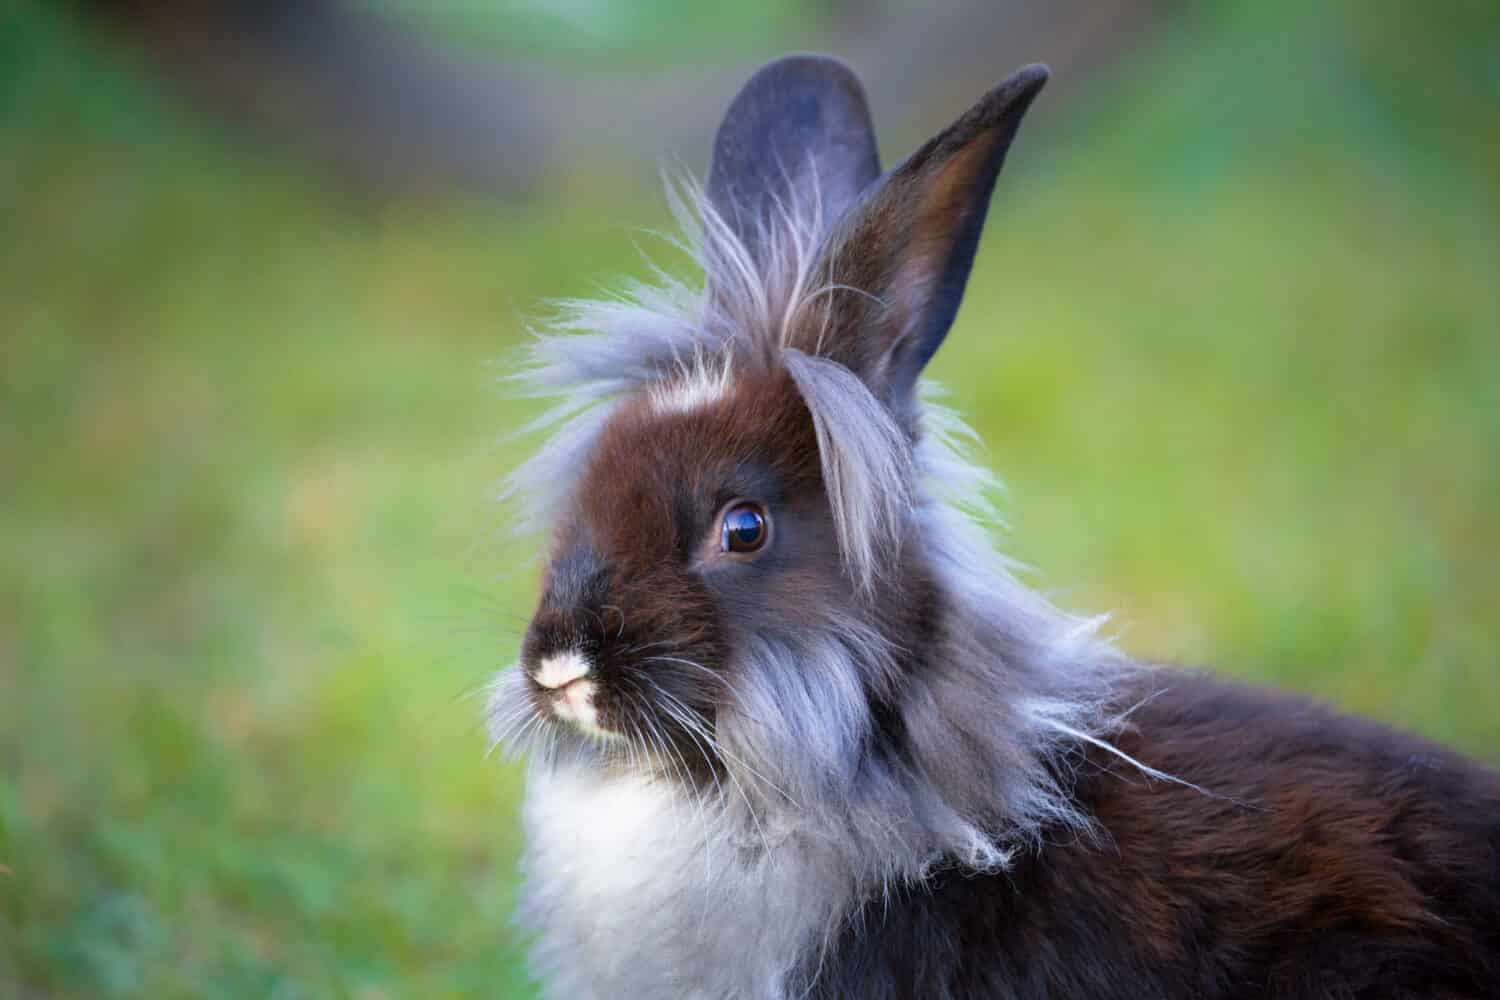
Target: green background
[(1233, 342)]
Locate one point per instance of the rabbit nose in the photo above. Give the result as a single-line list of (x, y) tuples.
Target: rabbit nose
[(557, 671)]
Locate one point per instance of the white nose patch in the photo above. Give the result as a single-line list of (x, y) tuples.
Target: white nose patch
[(561, 669), (567, 674)]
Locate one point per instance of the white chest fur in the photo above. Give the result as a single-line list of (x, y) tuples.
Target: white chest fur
[(634, 890)]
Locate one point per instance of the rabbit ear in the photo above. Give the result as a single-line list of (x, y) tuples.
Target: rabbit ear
[(796, 140), (898, 263)]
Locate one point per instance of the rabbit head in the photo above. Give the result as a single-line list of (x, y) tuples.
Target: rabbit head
[(756, 579)]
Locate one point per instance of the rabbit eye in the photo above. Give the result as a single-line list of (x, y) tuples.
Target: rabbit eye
[(744, 528)]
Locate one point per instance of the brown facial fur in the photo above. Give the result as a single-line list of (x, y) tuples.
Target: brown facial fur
[(659, 609)]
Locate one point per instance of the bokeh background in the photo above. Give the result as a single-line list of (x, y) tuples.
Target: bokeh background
[(1233, 341)]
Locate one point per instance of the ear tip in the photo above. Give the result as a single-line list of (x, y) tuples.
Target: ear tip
[(1008, 101), (806, 62), (801, 124), (811, 73), (1027, 81)]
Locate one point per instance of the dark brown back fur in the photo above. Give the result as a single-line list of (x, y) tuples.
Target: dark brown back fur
[(1320, 856)]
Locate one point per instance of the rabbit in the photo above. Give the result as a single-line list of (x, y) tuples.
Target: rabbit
[(794, 729)]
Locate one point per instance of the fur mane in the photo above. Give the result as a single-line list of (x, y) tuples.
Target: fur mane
[(594, 352)]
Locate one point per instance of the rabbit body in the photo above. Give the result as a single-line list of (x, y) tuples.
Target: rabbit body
[(795, 730), (1335, 859)]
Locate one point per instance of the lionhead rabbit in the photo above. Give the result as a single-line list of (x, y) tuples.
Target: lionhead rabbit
[(794, 730)]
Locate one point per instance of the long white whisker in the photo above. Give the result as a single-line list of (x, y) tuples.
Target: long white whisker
[(686, 663), (681, 714), (720, 749), (694, 729), (674, 757), (513, 718)]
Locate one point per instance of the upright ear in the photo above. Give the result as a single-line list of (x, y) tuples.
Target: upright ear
[(796, 141), (897, 264)]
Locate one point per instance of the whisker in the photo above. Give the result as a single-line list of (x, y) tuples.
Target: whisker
[(693, 729), (719, 748), (686, 663)]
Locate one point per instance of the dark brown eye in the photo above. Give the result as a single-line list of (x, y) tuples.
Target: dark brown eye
[(745, 528)]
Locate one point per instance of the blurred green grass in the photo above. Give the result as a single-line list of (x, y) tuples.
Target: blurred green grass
[(593, 31), (1233, 341)]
